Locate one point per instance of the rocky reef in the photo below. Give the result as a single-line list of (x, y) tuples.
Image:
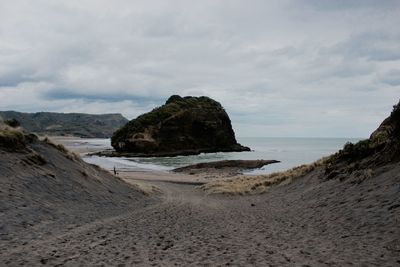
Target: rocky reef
[(182, 126), (222, 164), (223, 168)]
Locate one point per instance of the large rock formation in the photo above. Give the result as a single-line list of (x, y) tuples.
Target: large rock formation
[(183, 126), (74, 124)]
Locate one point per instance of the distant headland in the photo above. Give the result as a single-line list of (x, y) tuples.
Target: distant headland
[(67, 124)]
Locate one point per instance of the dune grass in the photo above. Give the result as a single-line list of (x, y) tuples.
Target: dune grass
[(12, 138), (68, 154), (144, 188), (260, 183)]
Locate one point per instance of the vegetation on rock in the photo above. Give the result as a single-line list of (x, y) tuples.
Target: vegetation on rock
[(190, 125), (385, 139)]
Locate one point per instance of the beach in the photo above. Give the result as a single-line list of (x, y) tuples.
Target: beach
[(302, 224), (307, 222), (290, 152)]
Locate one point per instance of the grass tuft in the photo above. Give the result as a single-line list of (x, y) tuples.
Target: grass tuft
[(68, 154), (260, 183), (12, 138)]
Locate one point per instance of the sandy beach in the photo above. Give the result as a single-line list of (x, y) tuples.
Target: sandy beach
[(307, 222), (186, 227), (169, 220)]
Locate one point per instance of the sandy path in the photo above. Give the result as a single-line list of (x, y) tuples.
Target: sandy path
[(188, 228)]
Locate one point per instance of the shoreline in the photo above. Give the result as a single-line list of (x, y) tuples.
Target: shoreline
[(191, 173), (168, 218), (290, 151)]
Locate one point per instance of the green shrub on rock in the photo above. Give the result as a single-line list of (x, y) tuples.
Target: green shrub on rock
[(183, 125)]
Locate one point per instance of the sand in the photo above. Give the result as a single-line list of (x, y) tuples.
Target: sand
[(309, 222), (76, 144)]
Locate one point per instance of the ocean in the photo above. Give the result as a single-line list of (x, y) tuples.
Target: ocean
[(290, 151)]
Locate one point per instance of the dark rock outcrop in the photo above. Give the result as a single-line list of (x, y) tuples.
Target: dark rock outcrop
[(74, 124), (223, 164), (183, 126)]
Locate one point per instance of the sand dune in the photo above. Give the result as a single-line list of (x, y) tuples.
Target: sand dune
[(306, 223), (59, 211), (45, 189)]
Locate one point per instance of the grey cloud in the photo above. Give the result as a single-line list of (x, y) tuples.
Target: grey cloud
[(351, 4), (283, 63), (13, 79), (391, 78), (374, 46), (57, 94)]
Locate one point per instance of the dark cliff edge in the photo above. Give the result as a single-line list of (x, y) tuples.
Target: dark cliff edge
[(182, 126), (67, 124), (381, 149)]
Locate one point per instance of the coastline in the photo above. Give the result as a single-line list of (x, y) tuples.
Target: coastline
[(171, 220), (140, 177), (291, 152)]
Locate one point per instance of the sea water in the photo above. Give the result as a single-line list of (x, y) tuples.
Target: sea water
[(290, 152)]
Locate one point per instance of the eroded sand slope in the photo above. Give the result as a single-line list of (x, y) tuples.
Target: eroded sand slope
[(308, 222), (45, 189)]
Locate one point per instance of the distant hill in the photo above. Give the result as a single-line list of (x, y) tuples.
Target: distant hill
[(75, 124)]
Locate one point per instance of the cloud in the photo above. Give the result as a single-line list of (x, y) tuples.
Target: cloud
[(372, 46), (293, 68), (107, 97), (391, 77), (341, 5)]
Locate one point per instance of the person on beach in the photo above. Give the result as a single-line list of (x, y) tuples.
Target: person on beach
[(115, 171)]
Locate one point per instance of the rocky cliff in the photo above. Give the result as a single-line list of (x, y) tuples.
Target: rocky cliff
[(382, 148), (182, 126), (75, 124)]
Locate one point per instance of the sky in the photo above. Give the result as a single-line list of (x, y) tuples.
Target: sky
[(299, 68)]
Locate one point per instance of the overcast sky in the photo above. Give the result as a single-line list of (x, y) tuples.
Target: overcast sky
[(280, 68)]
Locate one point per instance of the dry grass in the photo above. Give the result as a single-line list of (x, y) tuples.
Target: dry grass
[(145, 188), (260, 183), (68, 154), (6, 128), (12, 138)]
